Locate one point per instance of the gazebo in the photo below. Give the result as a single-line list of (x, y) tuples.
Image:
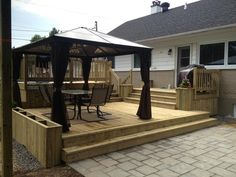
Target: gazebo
[(85, 44)]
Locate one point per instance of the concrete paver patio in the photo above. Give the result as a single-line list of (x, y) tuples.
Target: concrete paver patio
[(209, 152)]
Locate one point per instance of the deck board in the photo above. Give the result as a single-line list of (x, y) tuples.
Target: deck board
[(122, 114)]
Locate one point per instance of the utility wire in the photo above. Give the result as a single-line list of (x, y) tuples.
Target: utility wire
[(21, 39), (29, 30)]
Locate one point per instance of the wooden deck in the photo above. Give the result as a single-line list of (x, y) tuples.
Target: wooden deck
[(124, 129), (123, 114)]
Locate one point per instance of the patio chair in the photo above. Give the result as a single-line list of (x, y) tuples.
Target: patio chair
[(109, 93), (97, 99)]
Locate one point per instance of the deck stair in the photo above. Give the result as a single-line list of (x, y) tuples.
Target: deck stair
[(97, 142), (164, 98), (115, 97)]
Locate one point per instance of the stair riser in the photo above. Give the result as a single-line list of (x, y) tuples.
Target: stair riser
[(157, 93), (161, 105), (172, 100), (137, 140), (122, 131)]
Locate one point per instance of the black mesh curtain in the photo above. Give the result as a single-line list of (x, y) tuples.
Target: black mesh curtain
[(86, 66), (17, 57), (60, 57), (144, 110)]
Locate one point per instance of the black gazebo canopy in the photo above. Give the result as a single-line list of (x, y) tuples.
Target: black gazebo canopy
[(85, 44)]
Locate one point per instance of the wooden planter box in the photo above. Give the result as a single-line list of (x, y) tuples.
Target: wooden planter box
[(40, 136)]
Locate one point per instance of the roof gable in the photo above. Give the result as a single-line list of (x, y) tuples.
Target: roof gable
[(199, 15)]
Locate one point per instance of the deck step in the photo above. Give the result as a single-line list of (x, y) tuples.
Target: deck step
[(163, 92), (156, 97), (75, 153), (161, 104), (109, 133)]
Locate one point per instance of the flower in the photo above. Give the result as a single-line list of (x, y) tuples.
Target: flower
[(185, 83)]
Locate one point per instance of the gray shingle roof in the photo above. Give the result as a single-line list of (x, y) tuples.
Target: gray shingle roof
[(199, 15)]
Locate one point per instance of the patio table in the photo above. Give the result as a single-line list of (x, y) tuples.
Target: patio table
[(77, 94)]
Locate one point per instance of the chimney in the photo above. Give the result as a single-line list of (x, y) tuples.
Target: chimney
[(156, 7), (165, 6)]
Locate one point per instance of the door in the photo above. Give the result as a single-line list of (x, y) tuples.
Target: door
[(183, 58)]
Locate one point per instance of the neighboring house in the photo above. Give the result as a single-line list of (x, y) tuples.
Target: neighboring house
[(203, 32)]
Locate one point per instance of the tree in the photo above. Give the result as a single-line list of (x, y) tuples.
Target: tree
[(36, 37), (53, 31)]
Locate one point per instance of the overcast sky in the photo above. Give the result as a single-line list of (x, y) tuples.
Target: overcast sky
[(31, 17)]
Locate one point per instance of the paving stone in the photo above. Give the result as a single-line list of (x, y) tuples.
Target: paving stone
[(215, 154), (96, 174), (116, 155), (88, 163), (227, 159), (182, 168), (108, 162), (136, 173), (152, 162), (225, 150), (232, 168), (125, 159), (145, 151), (149, 146), (101, 157), (97, 168), (137, 156), (118, 173), (166, 172), (127, 166), (162, 166), (146, 170), (172, 151), (202, 165), (196, 152), (162, 154), (225, 165), (209, 160), (170, 161), (153, 175), (222, 172), (187, 159), (136, 162), (200, 173)]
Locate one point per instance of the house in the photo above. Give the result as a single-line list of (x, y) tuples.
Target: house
[(203, 32)]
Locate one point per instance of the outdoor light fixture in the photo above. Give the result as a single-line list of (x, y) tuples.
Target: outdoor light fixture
[(169, 51)]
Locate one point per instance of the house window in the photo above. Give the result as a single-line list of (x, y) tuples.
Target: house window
[(232, 53), (137, 61), (212, 54)]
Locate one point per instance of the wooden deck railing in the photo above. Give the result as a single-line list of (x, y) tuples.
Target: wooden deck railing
[(129, 77), (206, 81), (116, 81), (203, 95), (100, 71)]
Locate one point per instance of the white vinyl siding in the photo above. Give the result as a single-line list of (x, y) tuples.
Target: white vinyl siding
[(161, 60), (123, 63)]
